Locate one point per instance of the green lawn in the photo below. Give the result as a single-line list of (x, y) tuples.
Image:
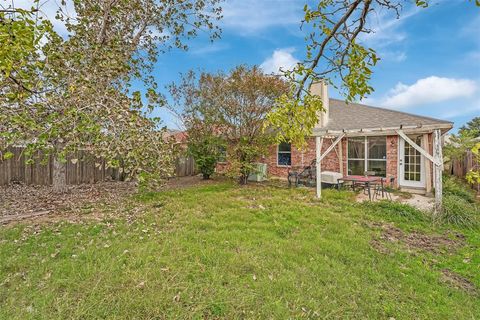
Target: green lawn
[(255, 252)]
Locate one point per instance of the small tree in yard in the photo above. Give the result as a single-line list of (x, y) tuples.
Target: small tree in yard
[(203, 144), (473, 176), (232, 106), (470, 134), (206, 150), (466, 140)]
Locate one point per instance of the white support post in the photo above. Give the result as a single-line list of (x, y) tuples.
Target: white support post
[(437, 154), (340, 156), (318, 153), (428, 166)]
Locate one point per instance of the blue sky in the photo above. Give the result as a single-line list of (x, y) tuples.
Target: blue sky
[(430, 57)]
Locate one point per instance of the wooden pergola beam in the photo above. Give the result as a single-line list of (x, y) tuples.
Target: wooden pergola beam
[(330, 148), (418, 148), (320, 156)]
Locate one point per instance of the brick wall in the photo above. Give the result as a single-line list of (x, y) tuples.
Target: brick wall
[(392, 158), (221, 167), (329, 163), (304, 158)]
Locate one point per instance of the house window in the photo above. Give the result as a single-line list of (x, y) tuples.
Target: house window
[(367, 154), (222, 154), (284, 154), (356, 156)]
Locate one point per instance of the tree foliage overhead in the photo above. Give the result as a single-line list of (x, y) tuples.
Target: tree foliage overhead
[(66, 93), (233, 106), (336, 54)]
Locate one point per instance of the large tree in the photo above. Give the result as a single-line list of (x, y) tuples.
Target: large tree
[(336, 54), (76, 91), (234, 107)]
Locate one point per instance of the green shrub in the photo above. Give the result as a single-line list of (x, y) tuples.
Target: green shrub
[(455, 187), (206, 149), (457, 210)]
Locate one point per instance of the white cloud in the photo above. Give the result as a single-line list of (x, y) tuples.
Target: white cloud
[(429, 90), (251, 16), (280, 59)]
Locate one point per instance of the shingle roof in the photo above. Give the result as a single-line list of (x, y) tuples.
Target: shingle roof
[(352, 116)]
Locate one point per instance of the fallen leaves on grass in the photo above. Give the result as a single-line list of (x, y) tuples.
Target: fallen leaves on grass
[(22, 200)]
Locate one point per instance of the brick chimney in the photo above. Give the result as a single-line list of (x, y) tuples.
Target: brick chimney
[(320, 88)]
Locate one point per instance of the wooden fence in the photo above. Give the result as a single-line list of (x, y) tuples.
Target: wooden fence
[(86, 170), (185, 166), (460, 167)]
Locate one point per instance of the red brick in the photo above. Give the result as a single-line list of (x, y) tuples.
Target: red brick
[(329, 163)]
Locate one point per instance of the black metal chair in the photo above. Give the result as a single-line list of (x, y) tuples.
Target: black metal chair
[(366, 186), (303, 175), (382, 190)]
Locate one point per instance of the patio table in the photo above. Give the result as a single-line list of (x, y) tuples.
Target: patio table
[(366, 181)]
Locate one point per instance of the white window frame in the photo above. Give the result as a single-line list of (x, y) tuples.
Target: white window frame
[(225, 161), (366, 159), (278, 151)]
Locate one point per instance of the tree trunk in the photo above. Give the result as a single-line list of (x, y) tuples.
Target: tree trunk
[(243, 179), (59, 175)]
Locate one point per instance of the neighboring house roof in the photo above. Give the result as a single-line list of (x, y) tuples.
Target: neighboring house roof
[(177, 135), (354, 116)]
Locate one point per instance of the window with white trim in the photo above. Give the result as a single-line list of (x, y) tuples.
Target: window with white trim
[(284, 154), (222, 154), (367, 154)]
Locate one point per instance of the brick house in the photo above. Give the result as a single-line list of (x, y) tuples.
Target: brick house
[(365, 138)]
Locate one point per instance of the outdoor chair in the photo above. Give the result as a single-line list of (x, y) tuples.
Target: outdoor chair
[(302, 175), (363, 186), (382, 190)]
